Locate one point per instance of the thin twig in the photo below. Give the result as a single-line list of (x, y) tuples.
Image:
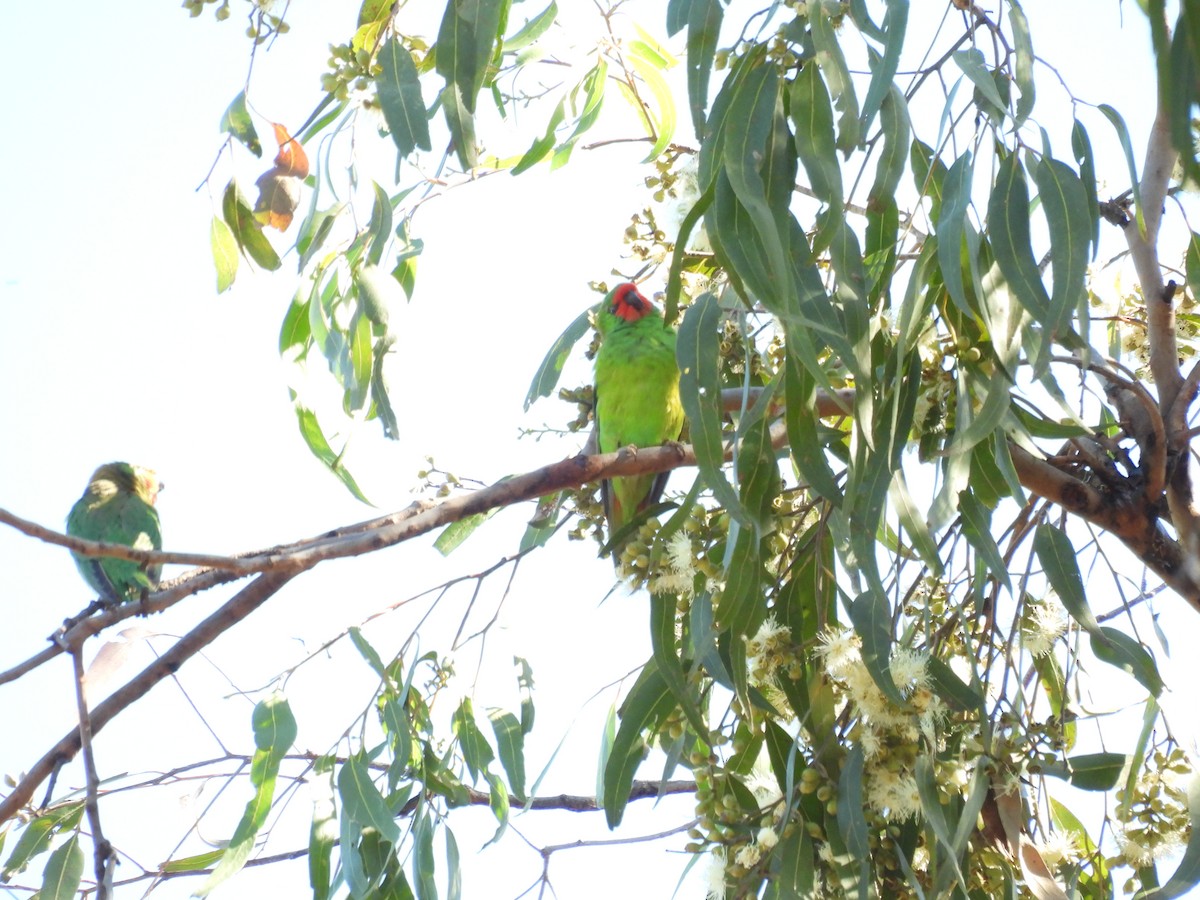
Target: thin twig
[(104, 859)]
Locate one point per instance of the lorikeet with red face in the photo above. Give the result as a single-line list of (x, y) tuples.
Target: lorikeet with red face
[(637, 395)]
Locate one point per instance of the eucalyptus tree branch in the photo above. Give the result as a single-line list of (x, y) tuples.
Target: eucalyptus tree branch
[(1143, 250), (103, 857), (241, 605), (640, 790)]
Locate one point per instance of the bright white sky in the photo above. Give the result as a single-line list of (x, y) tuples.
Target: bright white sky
[(115, 346)]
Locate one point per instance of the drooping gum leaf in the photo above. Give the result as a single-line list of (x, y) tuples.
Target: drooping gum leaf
[(704, 27), (837, 76), (649, 699), (533, 29), (883, 68), (813, 115), (237, 122), (670, 667), (464, 45), (225, 254), (664, 124), (744, 149), (1024, 66), (476, 751), (872, 619), (323, 831), (700, 394), (510, 745), (1008, 221), (1065, 203), (63, 872), (973, 66), (546, 378), (1127, 148), (362, 803), (274, 733), (956, 198)]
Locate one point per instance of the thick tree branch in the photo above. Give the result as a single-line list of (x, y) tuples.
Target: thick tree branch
[(1131, 518), (241, 605)]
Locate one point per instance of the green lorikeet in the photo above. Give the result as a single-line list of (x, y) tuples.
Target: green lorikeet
[(118, 507), (637, 395)]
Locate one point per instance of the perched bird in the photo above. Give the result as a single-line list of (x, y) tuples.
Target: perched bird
[(118, 507), (637, 395)]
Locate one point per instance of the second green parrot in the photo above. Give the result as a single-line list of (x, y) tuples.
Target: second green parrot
[(637, 395), (118, 507)]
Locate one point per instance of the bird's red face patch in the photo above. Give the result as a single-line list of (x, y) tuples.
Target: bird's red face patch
[(628, 304)]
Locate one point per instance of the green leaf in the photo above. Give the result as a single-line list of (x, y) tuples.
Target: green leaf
[(323, 832), (977, 521), (872, 619), (310, 430), (35, 837), (194, 863), (1187, 874), (542, 145), (664, 121), (744, 148), (1119, 649), (314, 231), (361, 358), (247, 230), (274, 733), (373, 11), (1024, 67), (1057, 555), (852, 824), (883, 68), (700, 394), (913, 522), (296, 330), (533, 29), (935, 815), (670, 666), (1127, 148), (465, 40), (1008, 221), (476, 751), (379, 391), (975, 68), (225, 254), (399, 90), (545, 380), (454, 534), (704, 28), (803, 427), (895, 127), (453, 869), (380, 227), (956, 199), (461, 122), (648, 700), (837, 75), (237, 122), (63, 872), (525, 684), (369, 653), (423, 865), (510, 744), (1096, 771), (956, 693), (1065, 203), (362, 803), (1081, 146), (813, 115)]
